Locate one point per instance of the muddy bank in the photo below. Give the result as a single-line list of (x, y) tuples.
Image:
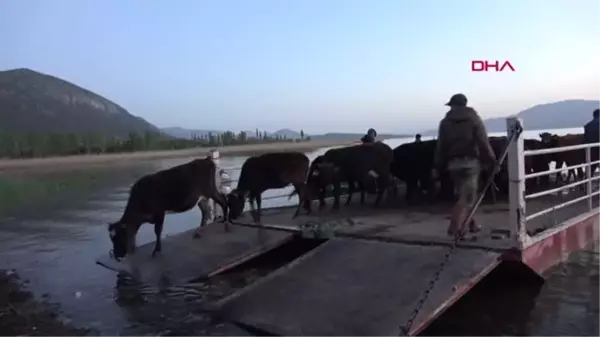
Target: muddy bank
[(128, 158), (21, 314)]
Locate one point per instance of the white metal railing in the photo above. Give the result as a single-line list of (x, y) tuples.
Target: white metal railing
[(517, 178)]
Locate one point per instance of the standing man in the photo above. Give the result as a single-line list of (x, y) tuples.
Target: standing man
[(462, 149), (418, 138), (592, 135)]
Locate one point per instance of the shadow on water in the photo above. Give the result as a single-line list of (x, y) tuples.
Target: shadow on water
[(52, 235)]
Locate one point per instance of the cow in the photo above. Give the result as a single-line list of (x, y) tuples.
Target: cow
[(412, 164), (571, 158), (318, 180), (269, 171), (174, 190), (366, 164)]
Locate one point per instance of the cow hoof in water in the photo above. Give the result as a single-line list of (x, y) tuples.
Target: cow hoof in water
[(197, 235), (154, 253)]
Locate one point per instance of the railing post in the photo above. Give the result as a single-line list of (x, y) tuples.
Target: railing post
[(516, 178), (588, 174)]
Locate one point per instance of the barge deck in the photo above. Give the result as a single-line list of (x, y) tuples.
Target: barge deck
[(370, 276)]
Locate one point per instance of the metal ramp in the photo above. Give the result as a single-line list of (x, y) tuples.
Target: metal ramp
[(356, 288), (185, 258)]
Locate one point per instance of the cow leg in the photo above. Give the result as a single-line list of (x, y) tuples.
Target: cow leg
[(362, 187), (159, 220), (131, 231), (336, 195), (302, 198), (322, 191), (205, 211), (221, 200), (351, 188), (255, 211), (382, 182), (307, 199), (259, 206), (411, 186)]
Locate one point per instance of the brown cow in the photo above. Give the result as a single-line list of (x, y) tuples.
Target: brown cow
[(269, 171), (174, 190)]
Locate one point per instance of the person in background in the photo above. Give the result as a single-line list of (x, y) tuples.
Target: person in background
[(591, 134), (369, 137), (418, 138), (462, 149)]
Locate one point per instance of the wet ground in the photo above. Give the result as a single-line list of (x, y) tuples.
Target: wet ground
[(54, 232)]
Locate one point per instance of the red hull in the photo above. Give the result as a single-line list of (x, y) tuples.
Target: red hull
[(549, 249)]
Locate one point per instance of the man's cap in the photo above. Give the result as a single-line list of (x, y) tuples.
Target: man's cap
[(457, 100)]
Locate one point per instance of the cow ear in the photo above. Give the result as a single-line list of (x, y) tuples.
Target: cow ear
[(112, 233)]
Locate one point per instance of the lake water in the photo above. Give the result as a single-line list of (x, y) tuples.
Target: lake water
[(54, 241)]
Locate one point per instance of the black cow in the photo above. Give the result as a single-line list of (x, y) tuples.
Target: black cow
[(269, 171), (367, 164), (173, 190), (412, 164), (318, 180)]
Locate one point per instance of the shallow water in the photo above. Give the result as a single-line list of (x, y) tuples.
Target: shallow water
[(54, 240)]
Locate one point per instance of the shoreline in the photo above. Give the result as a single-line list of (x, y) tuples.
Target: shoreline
[(24, 315), (129, 157)]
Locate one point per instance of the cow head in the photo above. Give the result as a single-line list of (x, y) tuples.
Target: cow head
[(235, 201), (548, 139), (118, 235)]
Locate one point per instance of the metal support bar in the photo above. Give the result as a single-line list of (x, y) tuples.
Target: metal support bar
[(560, 149), (563, 205), (516, 177), (588, 175), (558, 189)]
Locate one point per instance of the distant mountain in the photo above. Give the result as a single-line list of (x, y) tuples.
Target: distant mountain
[(34, 102), (557, 115)]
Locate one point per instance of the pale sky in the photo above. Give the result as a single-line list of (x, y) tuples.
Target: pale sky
[(317, 65)]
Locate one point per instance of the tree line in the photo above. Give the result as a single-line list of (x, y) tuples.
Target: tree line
[(48, 144)]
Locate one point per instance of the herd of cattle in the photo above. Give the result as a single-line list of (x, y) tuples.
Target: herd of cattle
[(370, 167)]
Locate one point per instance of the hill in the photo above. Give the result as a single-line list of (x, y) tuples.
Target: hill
[(556, 115), (34, 102)]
